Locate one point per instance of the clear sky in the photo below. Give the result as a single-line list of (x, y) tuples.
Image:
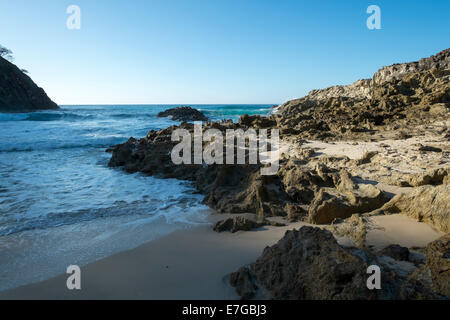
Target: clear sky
[(212, 51)]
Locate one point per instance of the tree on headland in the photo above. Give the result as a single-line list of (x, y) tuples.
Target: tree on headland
[(6, 53)]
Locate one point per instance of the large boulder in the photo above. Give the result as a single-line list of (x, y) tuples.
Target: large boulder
[(18, 93), (310, 264), (429, 204)]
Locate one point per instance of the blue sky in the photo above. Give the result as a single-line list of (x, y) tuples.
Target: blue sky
[(212, 51)]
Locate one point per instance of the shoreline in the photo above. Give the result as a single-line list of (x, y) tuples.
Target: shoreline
[(195, 263)]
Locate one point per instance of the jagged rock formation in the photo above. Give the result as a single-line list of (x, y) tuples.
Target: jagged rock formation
[(310, 264), (427, 203), (348, 198), (242, 189), (183, 114), (435, 177), (396, 71), (18, 93), (405, 94), (227, 188)]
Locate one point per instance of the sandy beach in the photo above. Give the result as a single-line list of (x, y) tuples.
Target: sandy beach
[(194, 263)]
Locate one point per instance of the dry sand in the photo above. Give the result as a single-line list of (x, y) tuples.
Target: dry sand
[(193, 263)]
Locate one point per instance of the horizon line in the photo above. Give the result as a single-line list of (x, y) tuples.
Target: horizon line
[(163, 104)]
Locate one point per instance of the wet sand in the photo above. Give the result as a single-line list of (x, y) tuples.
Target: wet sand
[(194, 263)]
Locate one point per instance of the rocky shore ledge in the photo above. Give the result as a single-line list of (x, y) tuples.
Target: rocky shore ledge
[(376, 147), (310, 264)]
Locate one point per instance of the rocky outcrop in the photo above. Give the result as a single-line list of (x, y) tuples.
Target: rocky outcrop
[(396, 71), (438, 262), (330, 194), (242, 189), (310, 264), (227, 188), (18, 93), (429, 204), (405, 95), (183, 114), (344, 201), (434, 177), (360, 89), (236, 224), (354, 228)]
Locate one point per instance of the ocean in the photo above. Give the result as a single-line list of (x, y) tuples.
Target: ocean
[(60, 204)]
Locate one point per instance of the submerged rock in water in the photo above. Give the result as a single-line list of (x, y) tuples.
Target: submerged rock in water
[(18, 93), (184, 114)]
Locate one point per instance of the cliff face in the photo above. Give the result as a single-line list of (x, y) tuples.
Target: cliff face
[(18, 93)]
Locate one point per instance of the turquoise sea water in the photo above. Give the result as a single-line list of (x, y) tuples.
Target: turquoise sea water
[(59, 202)]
